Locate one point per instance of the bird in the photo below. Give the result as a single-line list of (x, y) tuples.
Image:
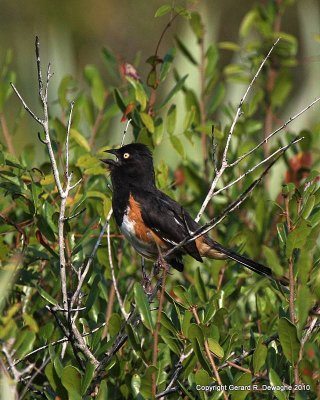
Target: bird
[(152, 221)]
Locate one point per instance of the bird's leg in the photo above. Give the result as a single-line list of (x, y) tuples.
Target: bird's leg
[(146, 282)]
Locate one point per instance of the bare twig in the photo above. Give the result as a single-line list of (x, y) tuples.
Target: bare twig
[(279, 150), (17, 375), (291, 119), (67, 139), (125, 132), (32, 378), (224, 162), (72, 331), (60, 341)]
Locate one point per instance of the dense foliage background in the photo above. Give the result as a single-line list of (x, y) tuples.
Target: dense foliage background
[(217, 305)]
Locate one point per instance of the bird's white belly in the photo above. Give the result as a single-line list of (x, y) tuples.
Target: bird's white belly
[(146, 249)]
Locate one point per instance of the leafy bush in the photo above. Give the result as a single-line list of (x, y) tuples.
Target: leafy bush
[(212, 324)]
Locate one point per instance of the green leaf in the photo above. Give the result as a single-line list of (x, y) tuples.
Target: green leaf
[(197, 25), (200, 356), (289, 340), (167, 63), (281, 233), (71, 380), (119, 100), (272, 260), (281, 89), (210, 310), (166, 322), (47, 296), (304, 303), (80, 139), (143, 306), (66, 84), (195, 332), (229, 46), (259, 355), (297, 238), (307, 209), (158, 131), (183, 295), (163, 10), (171, 119), (186, 322), (215, 348), (247, 23), (182, 11), (114, 324), (92, 75), (177, 144), (139, 92), (200, 286), (276, 381), (87, 379), (202, 378), (217, 97), (147, 121), (174, 90), (146, 382), (243, 380), (185, 51), (24, 343)]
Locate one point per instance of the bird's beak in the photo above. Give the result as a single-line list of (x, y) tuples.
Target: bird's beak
[(111, 163)]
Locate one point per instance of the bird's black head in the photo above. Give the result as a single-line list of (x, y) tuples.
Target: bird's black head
[(133, 165)]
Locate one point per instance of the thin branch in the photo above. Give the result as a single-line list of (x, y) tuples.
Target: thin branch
[(67, 139), (224, 162), (15, 372), (40, 81), (291, 119), (60, 341), (33, 115), (279, 150), (178, 368), (125, 132), (32, 378)]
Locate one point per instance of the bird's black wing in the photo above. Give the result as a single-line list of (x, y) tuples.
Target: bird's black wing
[(168, 219)]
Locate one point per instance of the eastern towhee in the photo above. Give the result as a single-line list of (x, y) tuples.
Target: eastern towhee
[(152, 221)]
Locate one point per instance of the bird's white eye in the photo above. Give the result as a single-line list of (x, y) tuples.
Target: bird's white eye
[(126, 155)]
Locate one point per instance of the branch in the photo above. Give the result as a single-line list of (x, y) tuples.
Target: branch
[(125, 132), (279, 150), (291, 119), (224, 163)]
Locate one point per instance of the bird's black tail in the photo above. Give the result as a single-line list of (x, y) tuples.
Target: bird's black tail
[(247, 262)]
